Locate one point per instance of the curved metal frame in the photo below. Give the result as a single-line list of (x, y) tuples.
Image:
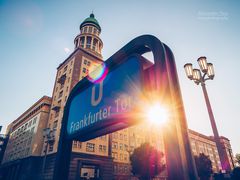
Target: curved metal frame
[(180, 163)]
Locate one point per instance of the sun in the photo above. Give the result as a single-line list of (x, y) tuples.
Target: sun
[(157, 114)]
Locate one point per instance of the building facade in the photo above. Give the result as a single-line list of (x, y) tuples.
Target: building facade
[(3, 144), (205, 144), (26, 138)]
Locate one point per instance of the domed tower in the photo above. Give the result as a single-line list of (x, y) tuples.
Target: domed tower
[(88, 39)]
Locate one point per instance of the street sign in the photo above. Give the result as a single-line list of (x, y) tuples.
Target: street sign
[(93, 110), (107, 103)]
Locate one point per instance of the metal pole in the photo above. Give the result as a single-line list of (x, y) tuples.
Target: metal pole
[(44, 159), (110, 145), (222, 155)]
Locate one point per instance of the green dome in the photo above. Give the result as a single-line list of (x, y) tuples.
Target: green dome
[(91, 19)]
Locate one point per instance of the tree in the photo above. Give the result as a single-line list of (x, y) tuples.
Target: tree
[(204, 166), (147, 162), (236, 173), (237, 157)]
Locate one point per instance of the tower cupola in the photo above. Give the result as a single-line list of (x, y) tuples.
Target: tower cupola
[(89, 39)]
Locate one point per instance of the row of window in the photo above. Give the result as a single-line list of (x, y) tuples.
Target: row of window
[(121, 169), (90, 29), (121, 136), (22, 128), (122, 157), (65, 68), (123, 147), (90, 147), (88, 43)]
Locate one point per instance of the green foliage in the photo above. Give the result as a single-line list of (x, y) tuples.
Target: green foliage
[(204, 166), (236, 173), (237, 157), (146, 161)]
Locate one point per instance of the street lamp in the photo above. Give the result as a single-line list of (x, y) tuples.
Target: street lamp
[(200, 76), (49, 139)]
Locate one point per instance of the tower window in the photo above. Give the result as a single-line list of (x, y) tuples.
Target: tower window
[(94, 44), (85, 29), (90, 30), (82, 41), (76, 43), (94, 31), (89, 39)]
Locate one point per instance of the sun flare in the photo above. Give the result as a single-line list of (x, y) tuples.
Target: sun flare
[(157, 114)]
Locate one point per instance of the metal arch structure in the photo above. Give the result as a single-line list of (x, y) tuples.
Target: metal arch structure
[(179, 159)]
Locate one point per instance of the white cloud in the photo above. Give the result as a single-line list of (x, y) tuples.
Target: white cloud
[(66, 50)]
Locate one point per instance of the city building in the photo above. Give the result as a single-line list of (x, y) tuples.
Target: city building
[(36, 132), (3, 144), (228, 149), (81, 62), (26, 136), (205, 144)]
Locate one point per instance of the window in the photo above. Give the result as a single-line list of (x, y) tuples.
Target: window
[(50, 148), (79, 144), (125, 147), (121, 157), (94, 44), (85, 70), (30, 123), (121, 146), (76, 43), (60, 94), (62, 85), (90, 30), (114, 145), (65, 68), (125, 157), (121, 136), (74, 144), (102, 148), (56, 114), (115, 135), (55, 124), (85, 29), (89, 39), (82, 41), (115, 155), (34, 120), (125, 169), (89, 63), (90, 147), (94, 31), (115, 168), (85, 62)]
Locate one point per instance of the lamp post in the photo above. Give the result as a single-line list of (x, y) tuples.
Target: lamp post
[(49, 138), (200, 76)]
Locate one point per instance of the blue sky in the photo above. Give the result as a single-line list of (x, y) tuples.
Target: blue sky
[(36, 36)]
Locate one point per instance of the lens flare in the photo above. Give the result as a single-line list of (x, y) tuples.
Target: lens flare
[(98, 74), (157, 114)]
